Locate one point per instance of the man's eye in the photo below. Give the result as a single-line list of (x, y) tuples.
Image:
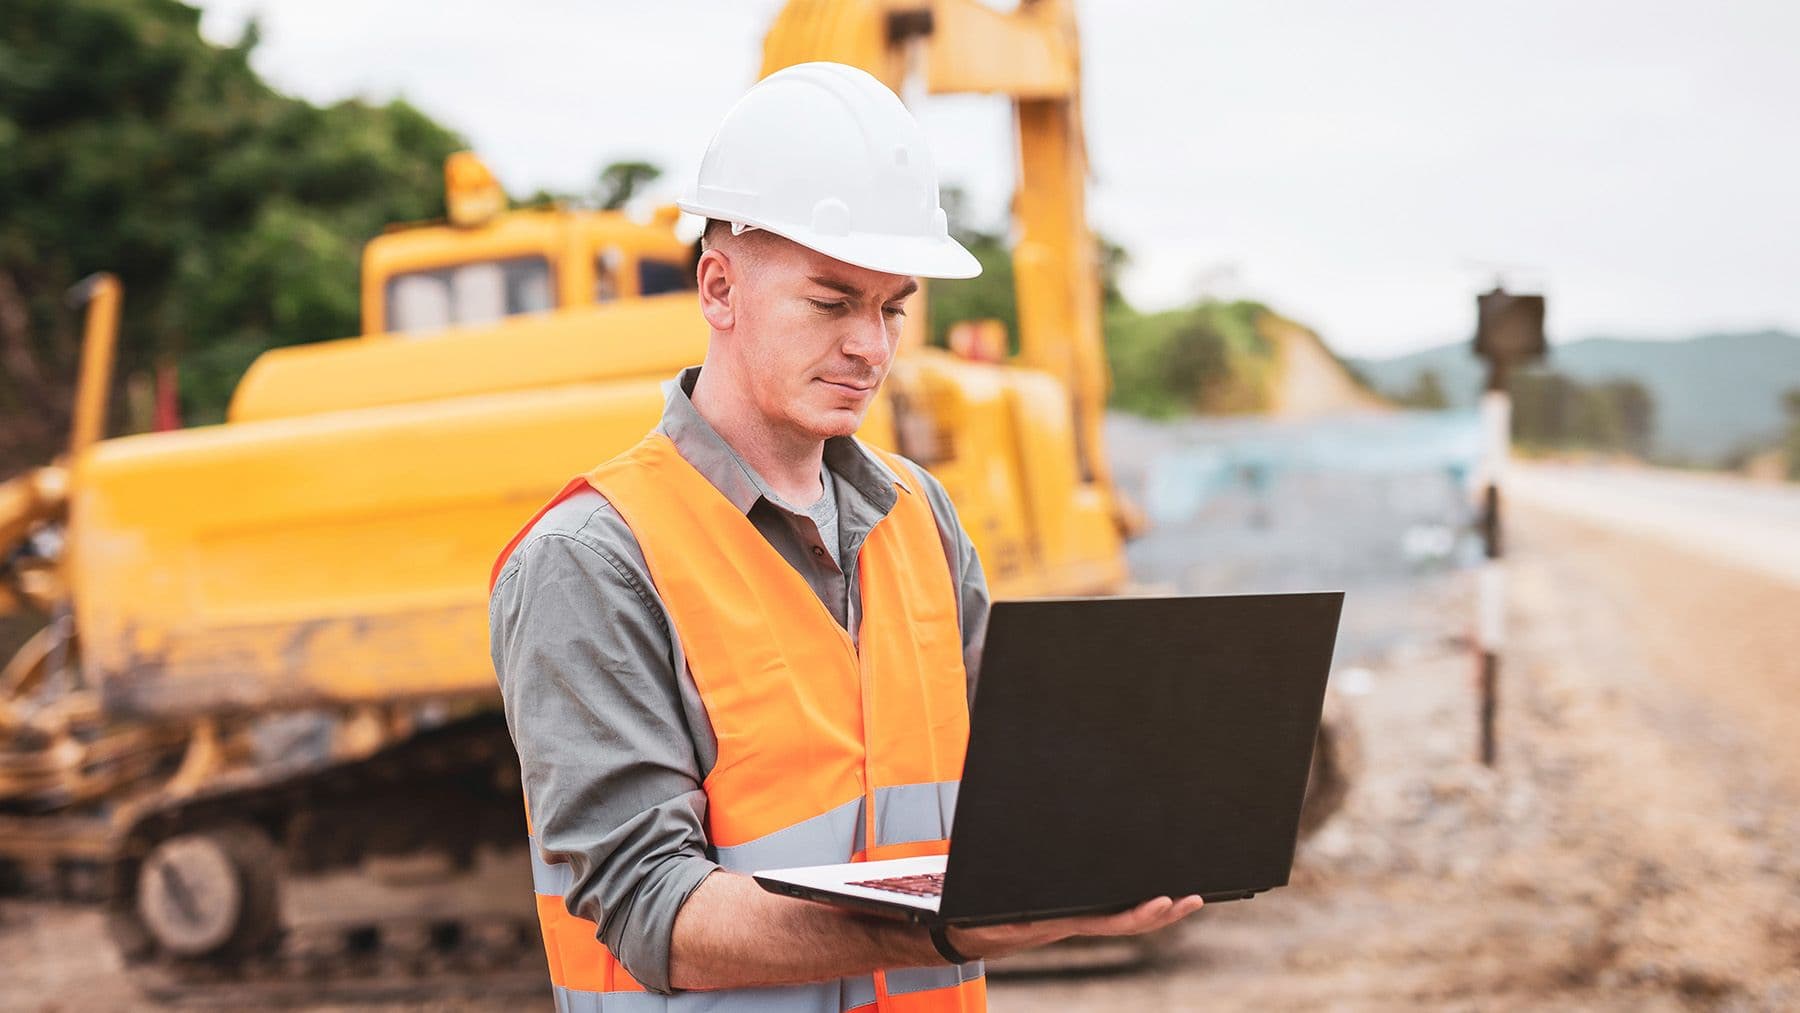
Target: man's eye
[(829, 307), (895, 311)]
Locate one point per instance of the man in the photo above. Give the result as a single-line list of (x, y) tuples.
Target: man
[(751, 640)]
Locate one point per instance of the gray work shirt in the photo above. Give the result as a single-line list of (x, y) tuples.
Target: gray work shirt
[(612, 736)]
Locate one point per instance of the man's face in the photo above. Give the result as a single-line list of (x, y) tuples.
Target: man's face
[(813, 336)]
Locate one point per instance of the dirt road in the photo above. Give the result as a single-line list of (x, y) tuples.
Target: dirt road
[(1752, 525), (1638, 848)]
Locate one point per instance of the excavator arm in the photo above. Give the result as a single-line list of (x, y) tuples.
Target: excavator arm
[(40, 496), (26, 501), (1031, 55)]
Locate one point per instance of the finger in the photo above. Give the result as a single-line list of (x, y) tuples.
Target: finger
[(1131, 922), (1180, 909), (1151, 911), (1174, 912)]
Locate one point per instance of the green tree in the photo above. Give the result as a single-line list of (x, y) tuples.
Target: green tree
[(1791, 401), (1195, 360), (1205, 357), (1427, 392), (1632, 404), (1553, 411), (989, 295), (992, 295), (620, 181), (1114, 259), (1544, 407), (233, 214)]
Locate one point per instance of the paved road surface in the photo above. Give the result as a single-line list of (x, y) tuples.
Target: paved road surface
[(1749, 524)]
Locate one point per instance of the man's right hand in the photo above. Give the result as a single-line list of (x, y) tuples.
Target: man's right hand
[(995, 941)]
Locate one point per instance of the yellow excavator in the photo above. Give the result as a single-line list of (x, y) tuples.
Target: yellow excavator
[(261, 724)]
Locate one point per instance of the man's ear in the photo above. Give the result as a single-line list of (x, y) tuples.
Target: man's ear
[(717, 280)]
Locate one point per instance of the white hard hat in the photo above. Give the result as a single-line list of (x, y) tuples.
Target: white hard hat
[(827, 156)]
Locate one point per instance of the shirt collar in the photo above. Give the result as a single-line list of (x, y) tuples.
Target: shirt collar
[(702, 446)]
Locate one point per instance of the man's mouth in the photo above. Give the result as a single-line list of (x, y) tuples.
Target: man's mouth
[(860, 388)]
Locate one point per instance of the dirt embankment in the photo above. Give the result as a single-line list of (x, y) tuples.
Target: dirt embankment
[(1311, 382)]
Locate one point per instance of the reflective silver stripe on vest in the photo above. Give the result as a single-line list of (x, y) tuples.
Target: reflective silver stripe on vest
[(551, 879), (906, 813), (575, 1000), (858, 992), (919, 979), (825, 997), (825, 839)]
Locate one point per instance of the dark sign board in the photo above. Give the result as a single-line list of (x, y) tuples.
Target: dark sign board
[(1509, 328)]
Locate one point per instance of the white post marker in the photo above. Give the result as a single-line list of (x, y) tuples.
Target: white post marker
[(1509, 332), (1490, 625)]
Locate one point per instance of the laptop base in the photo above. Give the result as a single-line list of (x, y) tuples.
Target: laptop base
[(835, 885)]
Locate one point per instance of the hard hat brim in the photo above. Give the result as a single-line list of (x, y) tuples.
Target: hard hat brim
[(921, 256)]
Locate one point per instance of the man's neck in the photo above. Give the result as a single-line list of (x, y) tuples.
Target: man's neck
[(789, 462)]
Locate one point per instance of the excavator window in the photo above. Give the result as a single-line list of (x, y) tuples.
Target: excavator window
[(658, 276), (461, 295), (606, 274)]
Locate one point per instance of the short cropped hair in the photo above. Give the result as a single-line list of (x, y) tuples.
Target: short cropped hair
[(709, 235)]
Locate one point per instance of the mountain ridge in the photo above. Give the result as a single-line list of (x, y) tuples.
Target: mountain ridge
[(1716, 394)]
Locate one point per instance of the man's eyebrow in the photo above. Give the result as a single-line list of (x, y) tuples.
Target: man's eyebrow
[(911, 286)]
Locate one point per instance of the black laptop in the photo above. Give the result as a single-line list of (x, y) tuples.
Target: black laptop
[(1119, 749)]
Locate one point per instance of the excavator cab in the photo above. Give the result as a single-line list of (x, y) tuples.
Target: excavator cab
[(484, 264)]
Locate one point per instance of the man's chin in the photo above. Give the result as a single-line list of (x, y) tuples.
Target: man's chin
[(835, 422)]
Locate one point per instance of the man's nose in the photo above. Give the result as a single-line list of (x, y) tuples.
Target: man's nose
[(868, 340)]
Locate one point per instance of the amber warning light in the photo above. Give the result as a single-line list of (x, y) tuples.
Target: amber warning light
[(471, 193)]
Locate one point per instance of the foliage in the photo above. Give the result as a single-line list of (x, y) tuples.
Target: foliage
[(1427, 393), (1553, 411), (1790, 401), (614, 187), (1208, 357), (989, 295), (234, 215), (992, 295), (620, 181)]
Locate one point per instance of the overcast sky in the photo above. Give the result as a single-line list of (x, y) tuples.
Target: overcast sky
[(1364, 167)]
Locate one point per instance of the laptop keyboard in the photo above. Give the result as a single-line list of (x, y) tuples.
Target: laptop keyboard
[(930, 884)]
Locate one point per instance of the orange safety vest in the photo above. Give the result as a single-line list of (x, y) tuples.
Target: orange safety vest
[(829, 750)]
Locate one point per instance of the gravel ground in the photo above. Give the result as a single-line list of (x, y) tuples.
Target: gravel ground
[(1637, 847)]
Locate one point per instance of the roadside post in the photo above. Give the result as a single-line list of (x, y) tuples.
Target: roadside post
[(1509, 332)]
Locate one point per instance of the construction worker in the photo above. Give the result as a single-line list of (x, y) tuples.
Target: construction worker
[(750, 641)]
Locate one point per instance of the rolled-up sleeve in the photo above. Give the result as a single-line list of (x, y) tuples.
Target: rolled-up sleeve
[(610, 770)]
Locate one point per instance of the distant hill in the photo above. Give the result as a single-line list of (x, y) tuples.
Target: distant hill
[(1714, 394)]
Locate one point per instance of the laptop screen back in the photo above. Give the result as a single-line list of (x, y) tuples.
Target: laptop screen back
[(1127, 748)]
